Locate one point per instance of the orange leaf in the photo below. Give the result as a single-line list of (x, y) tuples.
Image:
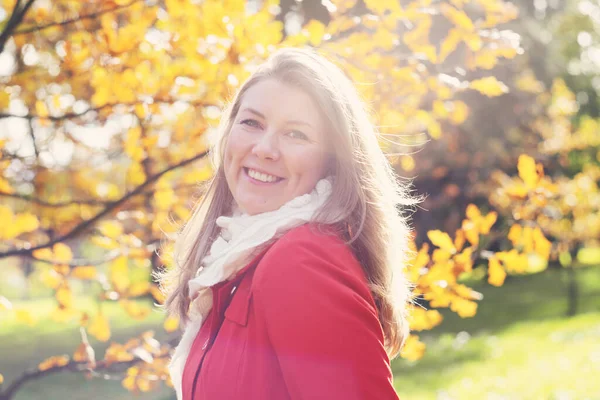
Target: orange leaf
[(53, 362)]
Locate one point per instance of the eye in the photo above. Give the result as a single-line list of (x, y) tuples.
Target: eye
[(250, 122), (297, 135)]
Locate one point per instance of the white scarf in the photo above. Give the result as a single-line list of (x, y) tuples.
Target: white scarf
[(230, 252)]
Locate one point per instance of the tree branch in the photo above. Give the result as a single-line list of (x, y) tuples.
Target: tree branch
[(99, 108), (13, 22), (72, 366), (90, 202), (112, 206), (72, 20)]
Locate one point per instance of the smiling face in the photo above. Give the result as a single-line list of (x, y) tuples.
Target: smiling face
[(276, 148)]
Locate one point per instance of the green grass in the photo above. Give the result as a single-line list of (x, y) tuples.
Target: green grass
[(23, 347), (520, 345)]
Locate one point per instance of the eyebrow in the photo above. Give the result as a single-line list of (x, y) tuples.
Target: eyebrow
[(291, 121)]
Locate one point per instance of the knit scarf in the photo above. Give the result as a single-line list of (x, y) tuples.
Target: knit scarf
[(240, 235)]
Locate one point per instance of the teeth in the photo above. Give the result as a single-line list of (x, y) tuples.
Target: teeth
[(260, 176)]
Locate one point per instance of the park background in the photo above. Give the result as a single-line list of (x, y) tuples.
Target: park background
[(490, 107)]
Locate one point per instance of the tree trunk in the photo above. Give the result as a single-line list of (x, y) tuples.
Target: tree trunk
[(572, 291)]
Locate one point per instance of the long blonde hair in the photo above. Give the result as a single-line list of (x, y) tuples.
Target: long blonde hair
[(368, 202)]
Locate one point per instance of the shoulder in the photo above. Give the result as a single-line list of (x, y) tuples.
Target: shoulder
[(307, 253)]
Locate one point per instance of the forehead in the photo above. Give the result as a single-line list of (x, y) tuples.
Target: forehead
[(282, 101)]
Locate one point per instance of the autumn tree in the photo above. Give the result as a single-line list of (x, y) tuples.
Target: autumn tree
[(107, 110)]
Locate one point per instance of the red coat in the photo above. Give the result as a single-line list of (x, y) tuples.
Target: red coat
[(298, 322)]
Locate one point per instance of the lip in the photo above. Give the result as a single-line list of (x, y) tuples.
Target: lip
[(257, 182)]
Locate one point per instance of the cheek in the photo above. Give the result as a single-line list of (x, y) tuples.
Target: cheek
[(234, 150), (310, 171)]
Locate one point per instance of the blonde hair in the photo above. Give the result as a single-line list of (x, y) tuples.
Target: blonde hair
[(364, 202)]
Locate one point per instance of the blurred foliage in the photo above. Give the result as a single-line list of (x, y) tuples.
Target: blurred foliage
[(107, 109)]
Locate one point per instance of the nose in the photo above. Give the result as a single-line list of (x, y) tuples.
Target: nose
[(266, 147)]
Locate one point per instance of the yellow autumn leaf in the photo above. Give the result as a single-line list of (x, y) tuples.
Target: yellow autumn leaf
[(164, 198), (496, 273), (459, 112), (4, 100), (457, 17), (459, 239), (5, 186), (514, 234), (119, 274), (413, 349), (25, 317), (53, 362), (62, 314), (84, 272), (100, 328), (487, 222), (138, 289), (489, 86), (463, 307), (527, 239), (135, 310), (26, 222), (41, 109), (51, 278), (43, 254), (471, 232), (513, 261), (451, 41), (117, 353), (315, 30), (434, 128), (157, 294), (171, 324), (441, 240), (421, 319), (64, 296), (407, 163), (129, 383), (463, 261), (527, 171), (542, 245), (112, 229), (62, 253)]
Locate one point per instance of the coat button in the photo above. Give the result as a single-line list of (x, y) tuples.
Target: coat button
[(233, 290)]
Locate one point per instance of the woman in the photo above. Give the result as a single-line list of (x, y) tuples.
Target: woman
[(289, 273)]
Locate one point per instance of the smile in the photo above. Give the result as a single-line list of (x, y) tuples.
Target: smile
[(261, 176)]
